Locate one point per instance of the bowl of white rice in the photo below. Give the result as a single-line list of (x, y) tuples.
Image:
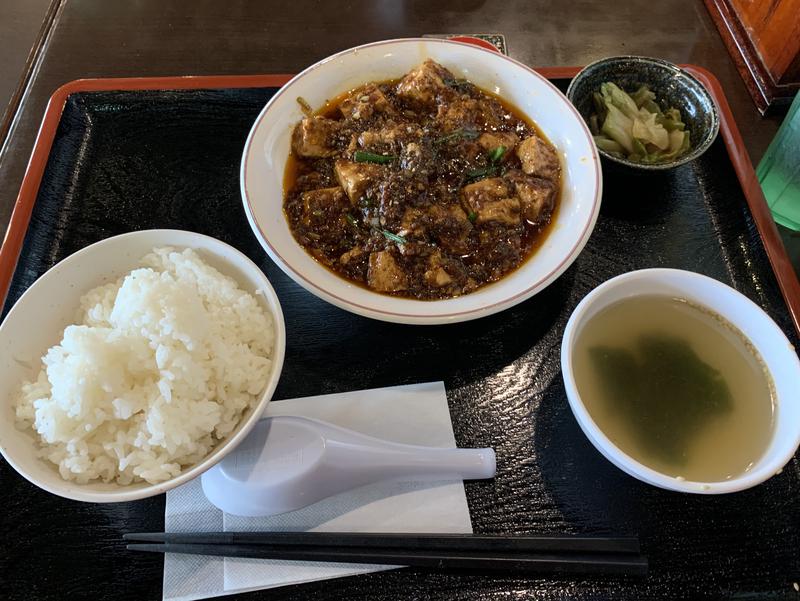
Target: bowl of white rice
[(136, 364)]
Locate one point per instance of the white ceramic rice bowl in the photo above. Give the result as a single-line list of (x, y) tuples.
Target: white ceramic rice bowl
[(37, 320)]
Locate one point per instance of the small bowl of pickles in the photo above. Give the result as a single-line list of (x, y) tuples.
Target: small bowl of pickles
[(645, 113)]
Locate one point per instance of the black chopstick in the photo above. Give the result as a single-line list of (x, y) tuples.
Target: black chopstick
[(416, 542), (598, 563)]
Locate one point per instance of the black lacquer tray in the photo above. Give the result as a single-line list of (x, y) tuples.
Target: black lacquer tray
[(137, 154)]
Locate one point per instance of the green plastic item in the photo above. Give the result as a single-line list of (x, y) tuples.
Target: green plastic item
[(779, 170)]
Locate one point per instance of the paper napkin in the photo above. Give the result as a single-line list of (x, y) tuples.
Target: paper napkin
[(415, 414)]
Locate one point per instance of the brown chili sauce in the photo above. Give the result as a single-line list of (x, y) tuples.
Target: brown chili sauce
[(426, 187)]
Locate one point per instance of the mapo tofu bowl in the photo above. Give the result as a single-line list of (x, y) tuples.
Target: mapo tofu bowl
[(421, 181)]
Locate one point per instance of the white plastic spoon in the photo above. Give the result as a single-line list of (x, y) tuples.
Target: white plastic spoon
[(287, 463)]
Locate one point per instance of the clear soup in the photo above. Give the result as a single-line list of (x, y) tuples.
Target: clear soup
[(675, 386)]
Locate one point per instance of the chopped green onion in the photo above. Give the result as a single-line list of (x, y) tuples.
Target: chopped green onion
[(317, 213), (362, 156), (351, 220), (497, 154), (455, 83), (393, 237), (473, 216), (466, 134), (481, 173), (366, 201), (304, 106)]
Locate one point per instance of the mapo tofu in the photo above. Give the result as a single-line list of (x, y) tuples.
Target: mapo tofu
[(426, 187)]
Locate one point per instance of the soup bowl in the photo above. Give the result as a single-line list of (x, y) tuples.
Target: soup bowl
[(268, 145), (771, 343)]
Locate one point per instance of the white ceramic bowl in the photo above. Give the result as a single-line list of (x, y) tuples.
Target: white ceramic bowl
[(776, 350), (268, 146), (39, 317)]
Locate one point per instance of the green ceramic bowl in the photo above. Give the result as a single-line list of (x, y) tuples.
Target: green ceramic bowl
[(673, 87)]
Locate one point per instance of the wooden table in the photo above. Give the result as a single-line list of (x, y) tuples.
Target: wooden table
[(20, 25), (97, 38)]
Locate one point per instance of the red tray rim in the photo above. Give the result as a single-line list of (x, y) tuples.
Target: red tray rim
[(29, 189)]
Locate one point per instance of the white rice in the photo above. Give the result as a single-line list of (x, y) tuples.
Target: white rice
[(160, 368)]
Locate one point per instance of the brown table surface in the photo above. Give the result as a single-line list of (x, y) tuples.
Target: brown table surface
[(96, 38), (20, 22)]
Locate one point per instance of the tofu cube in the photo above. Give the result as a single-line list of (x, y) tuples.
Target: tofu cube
[(364, 102), (538, 158), (421, 86), (355, 178), (491, 201), (323, 205), (536, 195), (384, 274), (314, 137), (436, 275), (491, 140)]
